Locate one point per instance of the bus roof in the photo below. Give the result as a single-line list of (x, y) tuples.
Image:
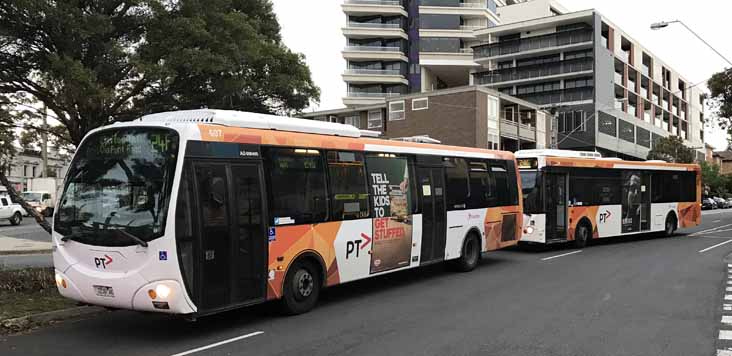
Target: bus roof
[(261, 129), (618, 164), (556, 153)]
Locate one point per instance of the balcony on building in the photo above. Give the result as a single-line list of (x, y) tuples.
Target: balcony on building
[(536, 71), (580, 37), (479, 8), (375, 26), (374, 7)]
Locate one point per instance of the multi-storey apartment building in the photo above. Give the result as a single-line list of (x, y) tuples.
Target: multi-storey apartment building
[(610, 93), (396, 47)]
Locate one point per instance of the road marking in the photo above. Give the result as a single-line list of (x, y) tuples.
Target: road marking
[(725, 334), (715, 246), (728, 297), (708, 230), (724, 353), (219, 343), (727, 319), (562, 255)]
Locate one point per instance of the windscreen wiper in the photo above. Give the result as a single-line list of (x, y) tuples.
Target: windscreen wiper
[(130, 236), (72, 236)]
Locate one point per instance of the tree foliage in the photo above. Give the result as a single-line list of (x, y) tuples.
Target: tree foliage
[(95, 62), (720, 86), (713, 182), (672, 149)]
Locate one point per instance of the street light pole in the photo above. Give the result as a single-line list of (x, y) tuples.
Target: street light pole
[(664, 24)]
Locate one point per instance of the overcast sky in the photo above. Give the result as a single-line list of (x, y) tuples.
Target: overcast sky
[(313, 28)]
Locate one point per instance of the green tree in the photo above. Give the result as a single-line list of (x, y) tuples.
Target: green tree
[(672, 149), (720, 86), (713, 182), (92, 63), (95, 62)]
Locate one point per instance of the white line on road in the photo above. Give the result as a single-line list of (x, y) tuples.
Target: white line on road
[(724, 353), (715, 246), (708, 230), (219, 343), (725, 334), (562, 255), (727, 319)]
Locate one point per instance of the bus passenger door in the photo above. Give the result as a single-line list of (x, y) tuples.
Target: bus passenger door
[(232, 248), (555, 188), (249, 244), (431, 189), (645, 201)]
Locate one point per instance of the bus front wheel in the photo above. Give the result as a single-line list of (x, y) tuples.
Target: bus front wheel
[(581, 235), (301, 289)]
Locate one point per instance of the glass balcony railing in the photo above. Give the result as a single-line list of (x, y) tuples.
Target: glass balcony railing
[(471, 27), (357, 94), (559, 96), (356, 71), (534, 71), (373, 49), (374, 25), (375, 2), (563, 38), (619, 78)]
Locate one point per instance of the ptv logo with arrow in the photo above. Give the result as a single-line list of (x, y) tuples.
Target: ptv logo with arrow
[(103, 262), (355, 246), (604, 217)]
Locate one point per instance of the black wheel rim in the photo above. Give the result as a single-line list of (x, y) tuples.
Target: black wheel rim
[(304, 284), (583, 234)]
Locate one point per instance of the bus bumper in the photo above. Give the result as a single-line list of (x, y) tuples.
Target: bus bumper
[(166, 296), (534, 228)]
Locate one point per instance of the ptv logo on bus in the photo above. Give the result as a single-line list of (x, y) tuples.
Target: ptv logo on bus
[(604, 217), (103, 262)]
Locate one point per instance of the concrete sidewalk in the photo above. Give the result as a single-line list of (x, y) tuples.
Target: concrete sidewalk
[(16, 246)]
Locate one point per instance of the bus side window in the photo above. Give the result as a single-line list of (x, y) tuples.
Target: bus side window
[(347, 182), (500, 175), (296, 186), (456, 183), (482, 186)]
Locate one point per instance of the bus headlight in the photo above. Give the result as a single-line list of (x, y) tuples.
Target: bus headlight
[(60, 281), (529, 230), (162, 291)]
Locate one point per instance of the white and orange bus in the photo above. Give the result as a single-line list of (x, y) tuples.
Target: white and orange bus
[(196, 212), (580, 196)]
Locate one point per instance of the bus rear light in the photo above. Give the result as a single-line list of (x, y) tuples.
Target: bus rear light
[(151, 293), (529, 230)]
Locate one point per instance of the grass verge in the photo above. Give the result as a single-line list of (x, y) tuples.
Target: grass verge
[(29, 291)]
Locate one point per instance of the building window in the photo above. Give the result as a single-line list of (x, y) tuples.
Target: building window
[(34, 171), (607, 124), (374, 119), (25, 171), (420, 104), (643, 137), (353, 120), (396, 110), (572, 121), (627, 131), (578, 83)]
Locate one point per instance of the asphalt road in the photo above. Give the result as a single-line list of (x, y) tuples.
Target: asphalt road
[(639, 296), (28, 229)]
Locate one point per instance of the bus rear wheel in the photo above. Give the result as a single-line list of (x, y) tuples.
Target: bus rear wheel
[(470, 254), (670, 226), (581, 235), (301, 289)]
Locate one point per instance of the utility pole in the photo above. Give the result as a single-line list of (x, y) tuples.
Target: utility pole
[(44, 143)]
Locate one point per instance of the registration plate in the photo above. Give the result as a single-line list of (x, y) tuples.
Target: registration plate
[(104, 291)]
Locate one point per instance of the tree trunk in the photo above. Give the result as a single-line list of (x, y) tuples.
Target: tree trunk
[(15, 197)]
